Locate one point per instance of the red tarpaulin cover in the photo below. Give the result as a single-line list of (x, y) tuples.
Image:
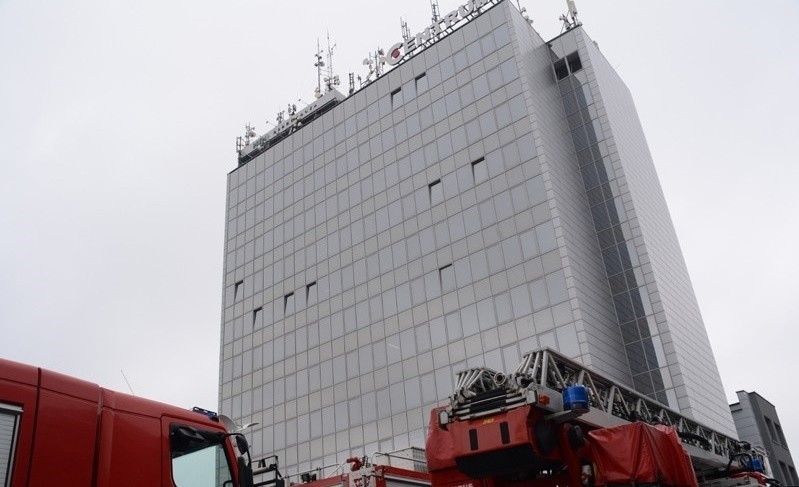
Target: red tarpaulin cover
[(640, 453)]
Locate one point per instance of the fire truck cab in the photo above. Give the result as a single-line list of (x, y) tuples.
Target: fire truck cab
[(58, 430)]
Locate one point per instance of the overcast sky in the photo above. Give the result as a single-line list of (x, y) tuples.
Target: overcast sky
[(117, 129)]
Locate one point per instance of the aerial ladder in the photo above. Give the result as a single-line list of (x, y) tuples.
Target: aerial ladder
[(553, 422)]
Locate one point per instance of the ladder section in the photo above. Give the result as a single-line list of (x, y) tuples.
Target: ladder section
[(482, 392)]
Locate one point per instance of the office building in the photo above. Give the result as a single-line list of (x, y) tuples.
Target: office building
[(490, 194), (757, 422)]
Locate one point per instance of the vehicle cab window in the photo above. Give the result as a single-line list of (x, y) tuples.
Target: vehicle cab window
[(9, 424), (198, 457)]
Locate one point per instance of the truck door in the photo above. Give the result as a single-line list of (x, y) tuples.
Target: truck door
[(129, 451)]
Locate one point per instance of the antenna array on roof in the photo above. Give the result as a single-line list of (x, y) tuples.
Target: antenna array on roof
[(331, 80), (377, 61), (570, 19)]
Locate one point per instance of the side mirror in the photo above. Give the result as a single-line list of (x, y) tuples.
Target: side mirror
[(242, 445), (245, 472)]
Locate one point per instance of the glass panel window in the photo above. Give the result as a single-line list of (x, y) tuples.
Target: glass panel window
[(479, 171), (447, 274), (573, 60), (257, 318), (436, 190), (288, 303), (561, 71), (421, 83), (310, 293), (396, 98), (438, 334)]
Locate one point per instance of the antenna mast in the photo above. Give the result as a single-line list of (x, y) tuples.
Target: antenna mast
[(375, 64), (573, 12), (241, 143), (331, 80), (435, 8), (523, 11), (126, 382), (319, 64), (570, 20), (406, 32)]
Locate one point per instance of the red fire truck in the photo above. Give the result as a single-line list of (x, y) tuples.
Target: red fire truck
[(555, 423), (58, 430)]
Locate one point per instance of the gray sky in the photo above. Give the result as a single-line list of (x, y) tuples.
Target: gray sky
[(118, 123)]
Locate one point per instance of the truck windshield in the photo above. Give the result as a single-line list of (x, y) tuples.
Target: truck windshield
[(198, 458)]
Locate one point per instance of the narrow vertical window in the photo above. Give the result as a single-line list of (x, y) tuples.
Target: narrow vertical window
[(421, 83), (288, 303), (561, 70), (436, 192), (257, 318), (780, 434), (238, 291), (396, 98), (310, 293), (479, 171), (771, 432), (447, 276)]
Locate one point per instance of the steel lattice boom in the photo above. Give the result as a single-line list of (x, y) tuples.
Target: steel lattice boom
[(482, 392)]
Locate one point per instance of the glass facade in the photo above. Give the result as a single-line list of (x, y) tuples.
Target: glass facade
[(619, 254), (412, 231)]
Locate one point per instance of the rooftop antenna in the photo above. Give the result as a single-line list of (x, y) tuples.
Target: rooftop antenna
[(523, 11), (370, 62), (241, 143), (570, 20), (126, 378), (375, 64), (249, 134), (406, 32), (319, 64), (293, 122), (331, 80), (435, 8), (573, 12), (379, 54)]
